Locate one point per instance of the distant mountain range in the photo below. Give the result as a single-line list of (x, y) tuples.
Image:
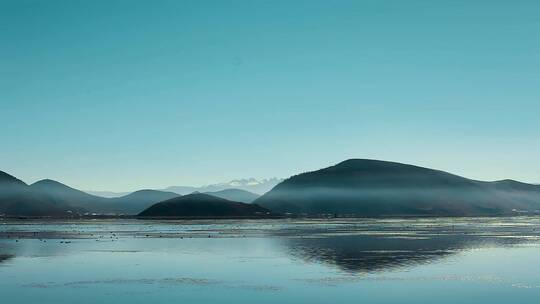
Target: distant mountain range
[(18, 198), (252, 185), (379, 188), (247, 184), (202, 205), (51, 198), (356, 187)]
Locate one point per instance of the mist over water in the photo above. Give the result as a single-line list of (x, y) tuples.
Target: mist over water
[(271, 261)]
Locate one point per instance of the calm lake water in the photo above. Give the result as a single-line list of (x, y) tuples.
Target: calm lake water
[(474, 260)]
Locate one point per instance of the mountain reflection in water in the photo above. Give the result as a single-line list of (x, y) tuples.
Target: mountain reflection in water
[(302, 261), (352, 245), (387, 247)]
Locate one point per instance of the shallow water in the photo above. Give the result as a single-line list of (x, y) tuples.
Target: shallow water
[(473, 260)]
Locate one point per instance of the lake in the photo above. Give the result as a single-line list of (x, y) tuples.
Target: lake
[(432, 260)]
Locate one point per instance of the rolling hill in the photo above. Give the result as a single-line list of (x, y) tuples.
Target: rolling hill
[(59, 193), (129, 204), (19, 199), (51, 198), (379, 188), (202, 205)]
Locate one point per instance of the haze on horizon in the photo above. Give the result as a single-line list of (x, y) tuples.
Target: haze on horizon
[(123, 95)]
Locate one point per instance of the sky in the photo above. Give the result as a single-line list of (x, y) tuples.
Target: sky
[(120, 95)]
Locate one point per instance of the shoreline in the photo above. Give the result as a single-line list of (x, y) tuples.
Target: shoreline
[(269, 217)]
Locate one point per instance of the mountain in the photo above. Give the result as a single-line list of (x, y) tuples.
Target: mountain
[(354, 187), (6, 179), (202, 205), (236, 195), (138, 201), (251, 185), (51, 198), (129, 204), (59, 193), (19, 199), (379, 188)]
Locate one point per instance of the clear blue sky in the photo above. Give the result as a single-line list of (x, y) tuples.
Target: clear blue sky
[(119, 95)]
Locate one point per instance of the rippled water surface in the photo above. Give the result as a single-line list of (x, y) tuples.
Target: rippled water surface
[(473, 260)]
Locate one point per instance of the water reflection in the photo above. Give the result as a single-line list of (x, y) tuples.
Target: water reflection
[(307, 261), (385, 249), (352, 245)]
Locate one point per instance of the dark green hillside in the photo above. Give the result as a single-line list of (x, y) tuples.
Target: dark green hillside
[(202, 205), (59, 193), (380, 188), (18, 199)]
